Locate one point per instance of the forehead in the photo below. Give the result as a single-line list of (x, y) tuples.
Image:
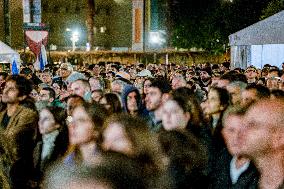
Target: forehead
[(154, 90), (171, 104), (77, 84), (233, 121), (44, 91), (45, 112), (11, 83), (132, 94)]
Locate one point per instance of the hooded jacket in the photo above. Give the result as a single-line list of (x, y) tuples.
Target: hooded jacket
[(142, 112)]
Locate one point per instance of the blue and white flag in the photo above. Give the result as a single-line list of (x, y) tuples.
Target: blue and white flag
[(15, 70), (42, 58)]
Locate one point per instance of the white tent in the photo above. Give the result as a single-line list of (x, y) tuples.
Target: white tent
[(7, 54), (259, 44)]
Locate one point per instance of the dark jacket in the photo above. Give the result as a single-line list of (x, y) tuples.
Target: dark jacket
[(220, 175), (21, 132), (142, 111)]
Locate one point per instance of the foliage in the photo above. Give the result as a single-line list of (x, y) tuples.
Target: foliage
[(272, 8), (207, 24)]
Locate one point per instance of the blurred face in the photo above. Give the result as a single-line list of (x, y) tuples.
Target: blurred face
[(46, 77), (56, 88), (115, 139), (223, 83), (10, 93), (46, 122), (95, 84), (235, 93), (71, 104), (153, 98), (273, 83), (204, 75), (64, 73), (248, 96), (96, 70), (44, 95), (174, 117), (255, 135), (147, 84), (96, 96), (116, 87), (251, 73), (230, 132), (132, 105), (78, 89), (81, 129), (178, 83), (213, 102), (104, 102), (189, 75)]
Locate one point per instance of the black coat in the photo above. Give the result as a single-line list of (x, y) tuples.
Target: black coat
[(220, 175)]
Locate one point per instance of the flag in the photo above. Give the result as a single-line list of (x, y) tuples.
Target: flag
[(15, 70), (42, 58)]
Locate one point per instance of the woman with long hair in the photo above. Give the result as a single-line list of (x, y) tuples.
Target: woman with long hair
[(84, 132)]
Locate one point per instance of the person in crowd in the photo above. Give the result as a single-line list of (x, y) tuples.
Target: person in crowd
[(3, 76), (132, 102), (84, 132), (117, 86), (19, 127), (82, 88), (59, 87), (97, 95), (178, 82), (112, 103), (277, 93), (235, 90), (115, 170), (158, 93), (54, 142), (36, 80), (251, 74), (273, 72), (28, 74), (95, 69), (96, 83), (72, 102), (46, 77), (261, 139), (253, 93), (130, 136), (231, 170), (217, 102), (205, 78), (48, 98), (66, 70), (187, 159)]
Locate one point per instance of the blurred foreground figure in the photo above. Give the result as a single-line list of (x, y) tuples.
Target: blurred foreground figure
[(262, 141)]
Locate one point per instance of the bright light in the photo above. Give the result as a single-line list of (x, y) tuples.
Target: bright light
[(68, 29), (157, 37), (75, 36)]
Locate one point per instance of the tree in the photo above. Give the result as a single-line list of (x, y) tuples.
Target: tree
[(7, 22), (273, 7), (90, 21), (207, 24)]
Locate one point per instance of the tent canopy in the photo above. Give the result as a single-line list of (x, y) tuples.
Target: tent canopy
[(7, 54), (267, 31)]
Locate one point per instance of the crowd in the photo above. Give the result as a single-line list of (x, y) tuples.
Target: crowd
[(142, 126)]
